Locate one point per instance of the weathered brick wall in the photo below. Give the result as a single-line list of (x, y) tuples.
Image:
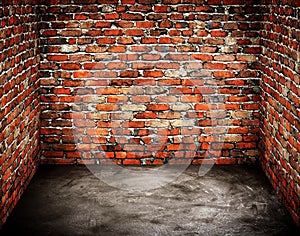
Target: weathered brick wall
[(133, 80), (136, 79), (280, 123), (19, 108)]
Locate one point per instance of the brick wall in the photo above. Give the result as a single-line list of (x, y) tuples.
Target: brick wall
[(146, 81), (280, 123), (19, 108), (131, 80)]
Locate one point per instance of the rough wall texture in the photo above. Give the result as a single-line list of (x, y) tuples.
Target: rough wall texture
[(149, 80), (19, 107), (280, 123), (145, 81)]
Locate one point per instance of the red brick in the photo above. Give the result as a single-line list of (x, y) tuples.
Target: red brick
[(238, 98), (80, 17), (145, 24), (238, 130), (164, 40), (111, 16), (61, 91), (233, 2), (124, 24), (107, 107), (116, 49), (164, 82), (141, 99), (113, 32), (129, 74), (107, 91), (57, 57), (151, 57), (82, 74), (218, 146), (204, 57), (131, 162), (146, 115), (169, 65), (121, 82), (131, 16), (125, 41), (191, 98), (246, 145), (133, 124), (254, 106), (49, 33), (229, 91), (105, 74), (103, 24), (70, 66), (80, 57), (116, 65), (72, 83), (171, 1), (64, 147), (94, 65), (202, 33), (223, 74), (205, 90), (218, 33), (146, 2), (134, 32), (226, 161), (140, 9), (54, 154), (215, 66), (157, 107), (94, 32), (204, 107), (224, 57), (106, 41), (153, 73), (161, 9), (48, 98), (128, 2), (71, 33)]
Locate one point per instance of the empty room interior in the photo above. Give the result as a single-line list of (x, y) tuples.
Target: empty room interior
[(149, 117)]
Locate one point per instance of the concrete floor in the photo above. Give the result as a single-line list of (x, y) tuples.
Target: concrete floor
[(228, 200)]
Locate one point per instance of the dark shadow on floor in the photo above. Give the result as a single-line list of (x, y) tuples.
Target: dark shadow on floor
[(228, 200)]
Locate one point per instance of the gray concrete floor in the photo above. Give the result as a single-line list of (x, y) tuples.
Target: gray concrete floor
[(228, 200)]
